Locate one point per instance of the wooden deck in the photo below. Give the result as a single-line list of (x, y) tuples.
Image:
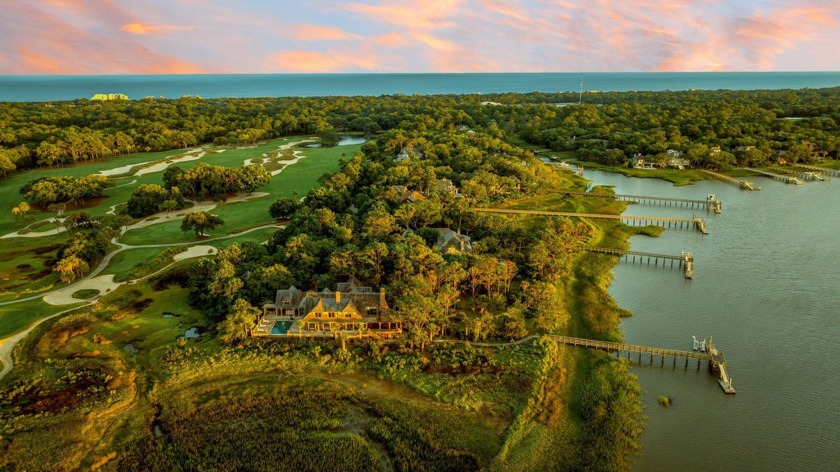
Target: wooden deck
[(744, 184), (709, 203), (781, 178), (715, 358), (620, 347), (685, 260), (697, 223), (823, 170)]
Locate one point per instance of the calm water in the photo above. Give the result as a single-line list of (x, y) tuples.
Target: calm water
[(767, 287), (46, 88)]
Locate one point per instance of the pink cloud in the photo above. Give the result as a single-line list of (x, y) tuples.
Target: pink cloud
[(142, 28), (121, 36), (411, 14), (392, 40), (322, 61), (54, 45), (320, 33)]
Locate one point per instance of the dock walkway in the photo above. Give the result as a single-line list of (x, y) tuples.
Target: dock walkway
[(744, 184), (781, 178), (685, 260), (711, 202), (822, 170), (715, 358), (697, 223)]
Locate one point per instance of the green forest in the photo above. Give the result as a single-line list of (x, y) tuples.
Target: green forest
[(608, 126)]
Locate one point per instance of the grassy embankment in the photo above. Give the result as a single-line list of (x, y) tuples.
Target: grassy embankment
[(599, 398)]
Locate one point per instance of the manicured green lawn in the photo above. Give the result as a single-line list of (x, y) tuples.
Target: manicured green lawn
[(11, 197), (123, 263), (19, 316), (294, 182)]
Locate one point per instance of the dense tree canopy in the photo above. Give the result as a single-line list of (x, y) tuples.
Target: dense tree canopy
[(802, 122)]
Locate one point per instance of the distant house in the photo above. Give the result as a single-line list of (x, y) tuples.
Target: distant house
[(744, 148), (109, 96), (406, 195), (640, 162), (408, 153), (679, 163), (447, 186), (452, 242), (349, 302), (714, 150)]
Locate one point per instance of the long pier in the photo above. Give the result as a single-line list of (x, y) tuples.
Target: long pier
[(823, 170), (684, 261), (781, 178), (697, 223), (715, 358), (805, 175), (710, 203), (743, 184)]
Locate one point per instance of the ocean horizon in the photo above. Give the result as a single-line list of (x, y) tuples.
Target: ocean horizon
[(41, 88)]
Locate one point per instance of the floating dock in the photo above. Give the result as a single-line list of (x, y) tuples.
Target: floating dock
[(710, 203), (743, 184), (684, 261), (697, 223), (781, 178)]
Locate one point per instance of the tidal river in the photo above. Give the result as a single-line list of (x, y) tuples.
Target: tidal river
[(767, 288)]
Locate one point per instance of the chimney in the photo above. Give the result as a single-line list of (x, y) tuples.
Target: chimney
[(337, 297)]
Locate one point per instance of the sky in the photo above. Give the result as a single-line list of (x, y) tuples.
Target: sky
[(309, 36)]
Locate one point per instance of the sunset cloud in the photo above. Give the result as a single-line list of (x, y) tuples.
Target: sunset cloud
[(320, 33), (323, 61), (122, 36), (141, 29)]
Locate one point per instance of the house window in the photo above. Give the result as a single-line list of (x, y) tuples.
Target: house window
[(348, 315), (332, 315)]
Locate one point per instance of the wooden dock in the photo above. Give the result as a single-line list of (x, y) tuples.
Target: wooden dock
[(716, 360), (804, 175), (684, 261), (697, 223), (821, 170), (710, 203), (743, 184), (781, 178)]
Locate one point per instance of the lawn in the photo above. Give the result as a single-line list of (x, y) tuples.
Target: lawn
[(294, 182), (14, 318), (9, 190), (124, 185), (23, 265)]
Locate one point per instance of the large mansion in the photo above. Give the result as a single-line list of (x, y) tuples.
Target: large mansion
[(352, 307)]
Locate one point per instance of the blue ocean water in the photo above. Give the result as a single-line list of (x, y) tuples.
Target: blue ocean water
[(17, 88)]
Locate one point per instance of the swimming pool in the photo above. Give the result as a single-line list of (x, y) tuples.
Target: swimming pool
[(281, 327)]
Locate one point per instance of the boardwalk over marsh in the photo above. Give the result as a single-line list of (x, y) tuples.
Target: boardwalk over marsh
[(711, 202), (666, 221)]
